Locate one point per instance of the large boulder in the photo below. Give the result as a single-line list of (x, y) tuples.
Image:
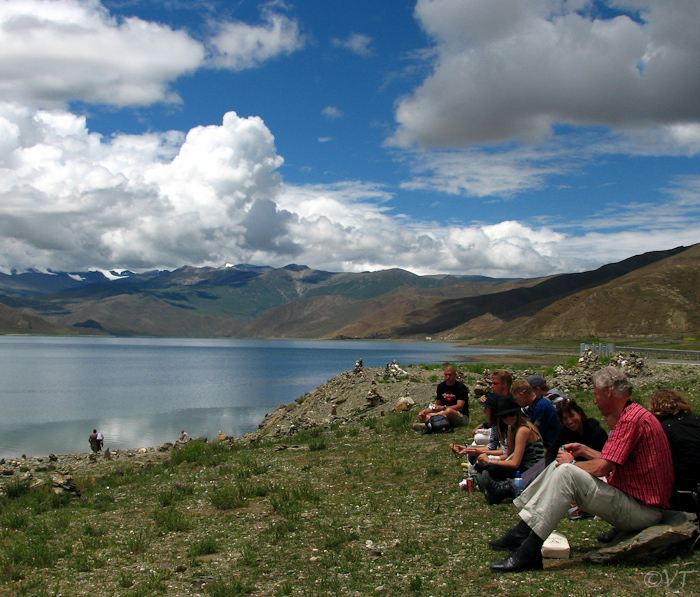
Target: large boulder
[(650, 544)]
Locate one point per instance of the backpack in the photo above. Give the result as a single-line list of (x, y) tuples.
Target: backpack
[(438, 424), (555, 395)]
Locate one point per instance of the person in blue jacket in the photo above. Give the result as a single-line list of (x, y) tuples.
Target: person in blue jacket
[(541, 411)]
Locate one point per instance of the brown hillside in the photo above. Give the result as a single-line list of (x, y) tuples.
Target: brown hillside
[(145, 315), (380, 318), (483, 327), (401, 306), (661, 299), (13, 321), (332, 316), (305, 318), (523, 303)]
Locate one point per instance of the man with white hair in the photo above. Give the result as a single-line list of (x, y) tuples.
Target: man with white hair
[(636, 460)]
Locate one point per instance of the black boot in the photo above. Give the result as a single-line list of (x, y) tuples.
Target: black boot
[(480, 483), (497, 491), (527, 557), (513, 538), (608, 536)]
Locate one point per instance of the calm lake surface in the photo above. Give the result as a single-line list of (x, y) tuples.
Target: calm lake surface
[(143, 391)]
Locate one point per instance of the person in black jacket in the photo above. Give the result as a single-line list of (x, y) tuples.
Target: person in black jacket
[(576, 427), (682, 428)]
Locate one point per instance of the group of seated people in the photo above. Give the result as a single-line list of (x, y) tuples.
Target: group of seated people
[(524, 424), (648, 459)]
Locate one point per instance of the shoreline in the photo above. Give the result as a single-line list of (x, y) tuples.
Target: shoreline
[(317, 406)]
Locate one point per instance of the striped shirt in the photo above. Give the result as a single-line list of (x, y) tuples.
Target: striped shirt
[(642, 456)]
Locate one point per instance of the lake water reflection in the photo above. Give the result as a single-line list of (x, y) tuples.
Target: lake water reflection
[(142, 391)]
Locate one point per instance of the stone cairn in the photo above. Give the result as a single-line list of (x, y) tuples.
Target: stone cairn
[(393, 371), (481, 387), (631, 364), (374, 398)]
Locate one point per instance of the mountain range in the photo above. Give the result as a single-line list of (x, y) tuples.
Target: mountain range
[(649, 295)]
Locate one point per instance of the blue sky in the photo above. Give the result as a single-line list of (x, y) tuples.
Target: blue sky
[(492, 137)]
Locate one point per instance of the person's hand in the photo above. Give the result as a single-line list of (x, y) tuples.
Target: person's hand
[(564, 457), (474, 450), (483, 460), (460, 450), (477, 428), (579, 450)]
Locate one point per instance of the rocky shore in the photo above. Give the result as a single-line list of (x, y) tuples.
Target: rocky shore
[(353, 396), (376, 391)]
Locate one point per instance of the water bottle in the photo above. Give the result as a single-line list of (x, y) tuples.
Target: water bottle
[(518, 484)]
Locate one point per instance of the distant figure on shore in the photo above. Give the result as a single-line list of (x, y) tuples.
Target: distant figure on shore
[(184, 438), (96, 440)]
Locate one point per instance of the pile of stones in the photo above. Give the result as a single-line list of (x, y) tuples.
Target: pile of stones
[(393, 371), (631, 363), (581, 375)]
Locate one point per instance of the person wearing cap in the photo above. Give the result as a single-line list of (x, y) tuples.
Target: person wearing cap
[(538, 385), (542, 389), (489, 402), (540, 410), (636, 460)]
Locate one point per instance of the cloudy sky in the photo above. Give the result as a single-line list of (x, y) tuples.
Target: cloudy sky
[(493, 137)]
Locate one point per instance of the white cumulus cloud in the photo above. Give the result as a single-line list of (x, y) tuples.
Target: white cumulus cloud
[(70, 199), (507, 69), (240, 45), (73, 200), (56, 51)]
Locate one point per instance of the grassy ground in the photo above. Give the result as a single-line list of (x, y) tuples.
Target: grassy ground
[(370, 508)]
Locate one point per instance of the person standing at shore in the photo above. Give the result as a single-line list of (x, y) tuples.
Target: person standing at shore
[(95, 441)]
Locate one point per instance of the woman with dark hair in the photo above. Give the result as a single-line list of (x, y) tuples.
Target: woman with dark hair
[(576, 428), (682, 429), (525, 449)]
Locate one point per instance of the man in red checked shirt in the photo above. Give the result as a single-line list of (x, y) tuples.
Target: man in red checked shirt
[(636, 460), (451, 400)]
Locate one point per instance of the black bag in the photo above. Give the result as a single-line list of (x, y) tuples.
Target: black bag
[(438, 424)]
